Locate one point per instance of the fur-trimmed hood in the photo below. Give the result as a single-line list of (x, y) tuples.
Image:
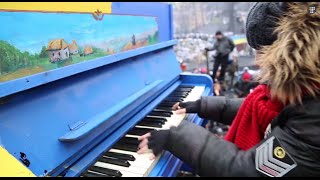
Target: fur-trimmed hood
[(291, 65)]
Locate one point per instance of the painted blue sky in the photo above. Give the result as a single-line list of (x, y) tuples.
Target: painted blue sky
[(30, 31)]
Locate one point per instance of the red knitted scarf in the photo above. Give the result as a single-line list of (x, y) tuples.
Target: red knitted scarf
[(253, 117)]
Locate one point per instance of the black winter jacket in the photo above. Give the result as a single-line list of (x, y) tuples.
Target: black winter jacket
[(292, 147), (223, 47)]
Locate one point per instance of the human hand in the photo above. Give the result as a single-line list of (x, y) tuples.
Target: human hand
[(187, 107), (156, 141), (178, 109), (143, 146)]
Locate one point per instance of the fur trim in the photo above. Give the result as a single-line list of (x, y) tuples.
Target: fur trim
[(291, 65)]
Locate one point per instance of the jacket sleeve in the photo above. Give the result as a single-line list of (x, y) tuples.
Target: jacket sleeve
[(212, 156), (219, 108), (209, 155), (214, 47)]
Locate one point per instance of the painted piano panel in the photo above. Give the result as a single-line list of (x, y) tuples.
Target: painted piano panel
[(34, 42)]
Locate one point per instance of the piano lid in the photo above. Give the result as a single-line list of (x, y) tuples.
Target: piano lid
[(66, 91)]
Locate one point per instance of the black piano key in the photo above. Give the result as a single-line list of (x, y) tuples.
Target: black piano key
[(139, 131), (126, 147), (186, 86), (150, 124), (173, 99), (90, 174), (106, 171), (115, 161), (129, 140), (161, 114), (128, 157), (167, 104), (169, 100), (177, 94), (183, 90), (164, 108), (160, 110), (154, 119)]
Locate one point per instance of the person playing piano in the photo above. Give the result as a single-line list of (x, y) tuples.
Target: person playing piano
[(275, 129)]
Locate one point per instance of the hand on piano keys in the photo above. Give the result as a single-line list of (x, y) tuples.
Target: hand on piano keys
[(178, 109), (159, 141), (155, 141), (143, 146), (123, 159)]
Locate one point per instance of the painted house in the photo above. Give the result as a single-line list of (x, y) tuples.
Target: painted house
[(73, 47), (111, 51), (58, 50), (88, 50)]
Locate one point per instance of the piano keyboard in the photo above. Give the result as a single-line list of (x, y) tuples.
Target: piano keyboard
[(122, 160)]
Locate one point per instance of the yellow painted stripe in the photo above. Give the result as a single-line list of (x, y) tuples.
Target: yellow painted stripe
[(240, 41), (11, 167), (84, 7)]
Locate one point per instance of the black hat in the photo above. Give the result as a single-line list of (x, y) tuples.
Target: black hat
[(261, 22), (218, 33)]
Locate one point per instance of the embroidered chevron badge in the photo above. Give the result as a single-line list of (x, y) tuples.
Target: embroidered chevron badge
[(272, 159)]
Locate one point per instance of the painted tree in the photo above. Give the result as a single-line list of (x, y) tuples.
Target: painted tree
[(43, 52), (133, 40)]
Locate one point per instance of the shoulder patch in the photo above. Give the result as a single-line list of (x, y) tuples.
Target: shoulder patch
[(268, 131), (272, 159)]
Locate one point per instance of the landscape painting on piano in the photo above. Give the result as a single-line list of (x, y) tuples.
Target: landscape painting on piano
[(34, 42)]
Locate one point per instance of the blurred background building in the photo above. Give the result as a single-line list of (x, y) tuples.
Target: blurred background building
[(208, 17), (195, 24)]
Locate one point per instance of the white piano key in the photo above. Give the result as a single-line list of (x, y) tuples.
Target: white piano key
[(97, 172), (134, 171), (132, 136), (147, 127)]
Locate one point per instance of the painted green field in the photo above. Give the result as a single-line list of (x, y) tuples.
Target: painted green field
[(45, 65)]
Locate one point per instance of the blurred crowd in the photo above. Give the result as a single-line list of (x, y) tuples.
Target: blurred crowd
[(192, 49)]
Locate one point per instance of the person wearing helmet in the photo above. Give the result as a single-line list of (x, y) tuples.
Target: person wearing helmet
[(274, 130)]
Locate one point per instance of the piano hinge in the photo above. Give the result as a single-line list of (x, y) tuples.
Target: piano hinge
[(76, 125)]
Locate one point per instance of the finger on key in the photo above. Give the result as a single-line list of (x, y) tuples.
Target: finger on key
[(143, 149), (152, 157), (144, 142), (145, 136), (176, 106), (181, 111)]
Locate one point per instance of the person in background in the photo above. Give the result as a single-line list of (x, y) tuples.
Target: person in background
[(244, 86), (223, 47), (232, 67), (275, 129)]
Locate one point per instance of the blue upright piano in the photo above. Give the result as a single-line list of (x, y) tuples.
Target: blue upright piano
[(79, 82)]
